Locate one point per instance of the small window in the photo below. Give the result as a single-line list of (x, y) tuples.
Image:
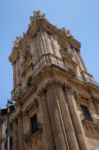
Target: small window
[(34, 124), (86, 112)]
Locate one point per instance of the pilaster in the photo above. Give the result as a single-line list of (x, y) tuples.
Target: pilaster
[(69, 132), (56, 120), (75, 119), (48, 141)]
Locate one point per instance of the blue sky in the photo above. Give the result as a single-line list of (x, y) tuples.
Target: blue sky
[(80, 16)]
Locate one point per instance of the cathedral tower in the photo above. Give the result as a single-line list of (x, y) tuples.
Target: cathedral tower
[(57, 99)]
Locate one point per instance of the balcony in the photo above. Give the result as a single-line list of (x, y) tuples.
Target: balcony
[(33, 132), (47, 60)]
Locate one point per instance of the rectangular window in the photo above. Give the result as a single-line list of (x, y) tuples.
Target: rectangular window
[(86, 112)]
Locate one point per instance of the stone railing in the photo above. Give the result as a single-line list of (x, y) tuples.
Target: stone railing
[(48, 60)]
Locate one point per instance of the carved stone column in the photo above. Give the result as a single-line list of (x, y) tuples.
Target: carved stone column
[(15, 134), (66, 119), (20, 132), (55, 119), (48, 142), (75, 119)]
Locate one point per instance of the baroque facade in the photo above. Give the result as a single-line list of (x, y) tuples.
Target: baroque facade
[(57, 100)]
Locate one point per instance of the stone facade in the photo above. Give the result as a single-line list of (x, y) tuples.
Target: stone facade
[(57, 99)]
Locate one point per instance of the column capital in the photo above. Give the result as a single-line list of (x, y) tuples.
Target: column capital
[(68, 88)]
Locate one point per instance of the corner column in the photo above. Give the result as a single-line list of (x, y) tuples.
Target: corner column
[(48, 141), (55, 119), (69, 131)]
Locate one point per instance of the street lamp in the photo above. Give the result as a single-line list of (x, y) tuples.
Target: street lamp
[(6, 112)]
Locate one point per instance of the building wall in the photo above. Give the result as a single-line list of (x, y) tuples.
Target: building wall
[(51, 81)]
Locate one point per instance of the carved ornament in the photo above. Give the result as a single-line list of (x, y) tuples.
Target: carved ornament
[(82, 99)]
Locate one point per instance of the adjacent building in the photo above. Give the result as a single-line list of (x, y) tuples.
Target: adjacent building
[(57, 99)]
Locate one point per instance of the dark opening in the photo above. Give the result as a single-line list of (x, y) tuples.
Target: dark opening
[(29, 81), (86, 112), (34, 125)]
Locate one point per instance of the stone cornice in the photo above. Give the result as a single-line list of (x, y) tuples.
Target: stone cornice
[(87, 85), (84, 72), (93, 86)]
